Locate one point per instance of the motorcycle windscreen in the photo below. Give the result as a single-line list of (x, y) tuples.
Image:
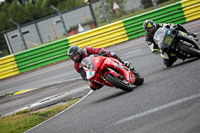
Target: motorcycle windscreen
[(159, 38), (87, 63), (88, 66)]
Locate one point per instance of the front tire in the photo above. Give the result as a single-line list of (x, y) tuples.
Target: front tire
[(139, 80), (118, 83), (190, 50)]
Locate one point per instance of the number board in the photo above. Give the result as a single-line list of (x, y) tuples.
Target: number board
[(168, 40)]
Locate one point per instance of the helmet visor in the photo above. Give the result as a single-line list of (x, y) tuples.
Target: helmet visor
[(151, 29), (75, 57)]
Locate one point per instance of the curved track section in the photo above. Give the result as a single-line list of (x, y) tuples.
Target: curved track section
[(169, 100)]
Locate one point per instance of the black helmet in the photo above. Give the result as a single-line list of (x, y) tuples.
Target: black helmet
[(149, 26), (74, 52)]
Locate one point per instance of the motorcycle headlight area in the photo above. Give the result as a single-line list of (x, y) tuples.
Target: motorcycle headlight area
[(90, 74)]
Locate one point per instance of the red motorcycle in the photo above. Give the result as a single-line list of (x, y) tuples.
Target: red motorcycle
[(110, 72)]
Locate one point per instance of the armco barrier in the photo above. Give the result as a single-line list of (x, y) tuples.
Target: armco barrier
[(101, 37), (179, 12), (41, 56), (191, 9), (33, 58), (8, 67)]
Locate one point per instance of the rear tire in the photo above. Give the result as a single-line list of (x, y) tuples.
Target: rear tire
[(189, 50), (118, 83)]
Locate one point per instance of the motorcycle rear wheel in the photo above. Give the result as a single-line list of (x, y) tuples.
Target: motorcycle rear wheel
[(118, 83), (189, 50)]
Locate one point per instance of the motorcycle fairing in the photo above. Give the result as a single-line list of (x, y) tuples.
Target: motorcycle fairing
[(164, 37), (116, 65), (94, 66)]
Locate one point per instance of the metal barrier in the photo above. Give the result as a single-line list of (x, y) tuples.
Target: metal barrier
[(33, 58), (179, 12), (191, 9), (101, 37), (41, 56), (8, 67)]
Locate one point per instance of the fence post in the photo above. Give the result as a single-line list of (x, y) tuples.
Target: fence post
[(105, 11), (61, 18), (155, 3), (89, 2), (20, 32)]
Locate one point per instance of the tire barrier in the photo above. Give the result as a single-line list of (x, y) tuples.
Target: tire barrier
[(111, 34)]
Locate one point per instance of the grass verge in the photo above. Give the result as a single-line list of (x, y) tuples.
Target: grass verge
[(26, 119)]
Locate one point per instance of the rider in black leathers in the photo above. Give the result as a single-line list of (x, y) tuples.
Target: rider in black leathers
[(150, 28)]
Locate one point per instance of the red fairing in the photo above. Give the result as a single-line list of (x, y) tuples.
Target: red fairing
[(101, 63), (114, 63)]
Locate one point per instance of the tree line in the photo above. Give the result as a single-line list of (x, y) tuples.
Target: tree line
[(23, 11)]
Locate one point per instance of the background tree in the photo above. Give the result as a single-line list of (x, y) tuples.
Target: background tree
[(30, 11), (3, 20), (9, 1), (15, 12)]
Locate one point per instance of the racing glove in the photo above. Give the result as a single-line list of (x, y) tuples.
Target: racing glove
[(126, 63), (154, 49), (102, 53), (83, 74)]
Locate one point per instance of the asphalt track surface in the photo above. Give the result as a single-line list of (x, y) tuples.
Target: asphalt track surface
[(168, 102)]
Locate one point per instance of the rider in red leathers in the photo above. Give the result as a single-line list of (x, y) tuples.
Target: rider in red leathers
[(77, 54)]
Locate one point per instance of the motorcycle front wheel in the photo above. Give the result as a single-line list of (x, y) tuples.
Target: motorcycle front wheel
[(190, 50), (139, 80), (119, 83)]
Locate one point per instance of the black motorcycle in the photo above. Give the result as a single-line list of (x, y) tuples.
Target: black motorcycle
[(180, 44)]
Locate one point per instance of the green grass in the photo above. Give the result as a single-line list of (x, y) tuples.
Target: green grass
[(26, 119)]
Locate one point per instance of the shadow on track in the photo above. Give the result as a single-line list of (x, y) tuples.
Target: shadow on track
[(185, 62), (117, 94), (111, 96), (181, 63), (163, 68)]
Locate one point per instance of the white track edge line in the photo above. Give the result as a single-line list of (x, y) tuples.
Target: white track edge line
[(60, 112), (156, 109)]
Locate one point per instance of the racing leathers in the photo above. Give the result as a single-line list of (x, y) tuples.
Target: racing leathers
[(87, 51), (168, 59)]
